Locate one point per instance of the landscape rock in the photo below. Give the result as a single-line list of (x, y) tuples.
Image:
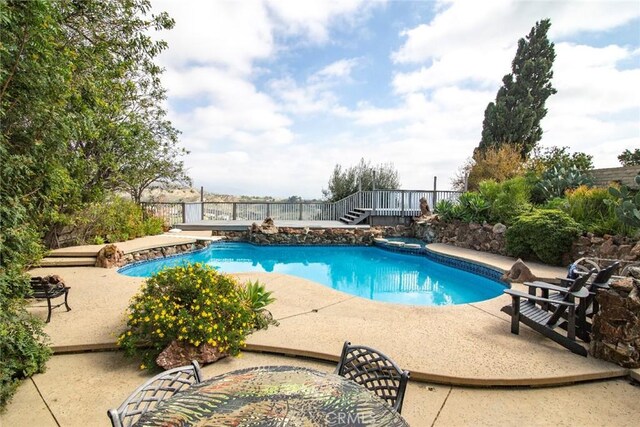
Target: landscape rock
[(625, 284), (499, 228), (110, 256), (179, 353), (519, 273)]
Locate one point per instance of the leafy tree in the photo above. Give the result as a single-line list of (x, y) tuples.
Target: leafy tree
[(80, 95), (514, 117), (344, 182), (496, 163), (630, 158), (153, 169), (544, 159)]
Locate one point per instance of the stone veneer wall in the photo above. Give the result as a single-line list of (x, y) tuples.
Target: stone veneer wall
[(491, 238), (481, 237), (615, 334), (311, 236), (163, 252), (608, 247)]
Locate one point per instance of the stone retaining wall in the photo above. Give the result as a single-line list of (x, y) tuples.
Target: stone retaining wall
[(309, 236), (481, 237), (615, 335), (163, 252), (608, 247), (491, 238)]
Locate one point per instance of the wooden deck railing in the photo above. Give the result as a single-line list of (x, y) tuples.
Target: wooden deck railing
[(381, 202)]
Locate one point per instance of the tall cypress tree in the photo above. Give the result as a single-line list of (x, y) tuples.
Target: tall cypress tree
[(515, 116)]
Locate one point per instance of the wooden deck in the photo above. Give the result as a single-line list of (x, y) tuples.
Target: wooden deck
[(241, 225)]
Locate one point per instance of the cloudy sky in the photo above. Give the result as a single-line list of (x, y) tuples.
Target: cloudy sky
[(271, 94)]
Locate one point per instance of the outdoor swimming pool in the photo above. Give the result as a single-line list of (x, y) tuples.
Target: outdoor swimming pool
[(367, 272)]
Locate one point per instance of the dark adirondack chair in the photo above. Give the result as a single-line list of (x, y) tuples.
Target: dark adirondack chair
[(374, 371), (547, 320), (589, 305)]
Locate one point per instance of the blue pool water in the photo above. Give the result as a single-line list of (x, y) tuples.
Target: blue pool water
[(367, 272)]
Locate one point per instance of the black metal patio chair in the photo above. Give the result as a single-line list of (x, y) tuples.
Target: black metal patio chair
[(153, 391), (42, 289), (374, 371)]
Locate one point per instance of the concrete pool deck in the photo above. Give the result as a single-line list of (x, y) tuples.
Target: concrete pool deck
[(468, 344), (445, 348)]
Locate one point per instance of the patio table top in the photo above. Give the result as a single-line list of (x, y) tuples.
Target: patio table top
[(274, 395)]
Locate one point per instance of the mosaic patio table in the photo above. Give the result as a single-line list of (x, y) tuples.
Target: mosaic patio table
[(274, 396)]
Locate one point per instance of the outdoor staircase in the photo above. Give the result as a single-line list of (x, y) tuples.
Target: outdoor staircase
[(356, 216), (69, 258)]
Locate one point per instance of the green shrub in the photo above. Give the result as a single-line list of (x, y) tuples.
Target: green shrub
[(257, 298), (23, 344), (115, 220), (473, 207), (446, 210), (192, 303), (544, 233), (559, 203), (594, 210), (557, 180), (23, 347), (627, 205), (507, 199), (153, 225)]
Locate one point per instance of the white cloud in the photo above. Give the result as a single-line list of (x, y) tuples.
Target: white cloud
[(241, 130), (312, 18), (471, 44), (229, 34), (337, 70)]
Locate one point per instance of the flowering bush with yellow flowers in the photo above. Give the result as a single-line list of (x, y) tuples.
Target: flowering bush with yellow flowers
[(192, 303)]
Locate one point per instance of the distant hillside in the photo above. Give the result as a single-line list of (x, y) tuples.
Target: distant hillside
[(178, 195)]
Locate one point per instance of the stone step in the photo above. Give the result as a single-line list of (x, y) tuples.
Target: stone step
[(67, 262), (61, 253)]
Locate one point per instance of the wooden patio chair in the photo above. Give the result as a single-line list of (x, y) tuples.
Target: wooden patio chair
[(536, 312), (374, 371), (153, 391), (589, 305)]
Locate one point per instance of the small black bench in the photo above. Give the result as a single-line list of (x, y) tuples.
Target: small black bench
[(42, 289)]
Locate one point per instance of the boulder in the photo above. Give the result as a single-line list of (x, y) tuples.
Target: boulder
[(179, 353), (110, 256), (624, 284), (499, 228), (519, 272), (268, 227)]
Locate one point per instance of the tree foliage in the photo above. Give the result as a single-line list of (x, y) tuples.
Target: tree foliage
[(496, 163), (544, 159), (630, 158), (344, 182), (80, 98), (514, 117)]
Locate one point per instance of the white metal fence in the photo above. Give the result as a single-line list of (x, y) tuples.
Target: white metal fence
[(381, 202)]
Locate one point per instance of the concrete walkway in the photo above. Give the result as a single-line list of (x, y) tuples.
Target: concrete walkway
[(466, 344), (77, 390)]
